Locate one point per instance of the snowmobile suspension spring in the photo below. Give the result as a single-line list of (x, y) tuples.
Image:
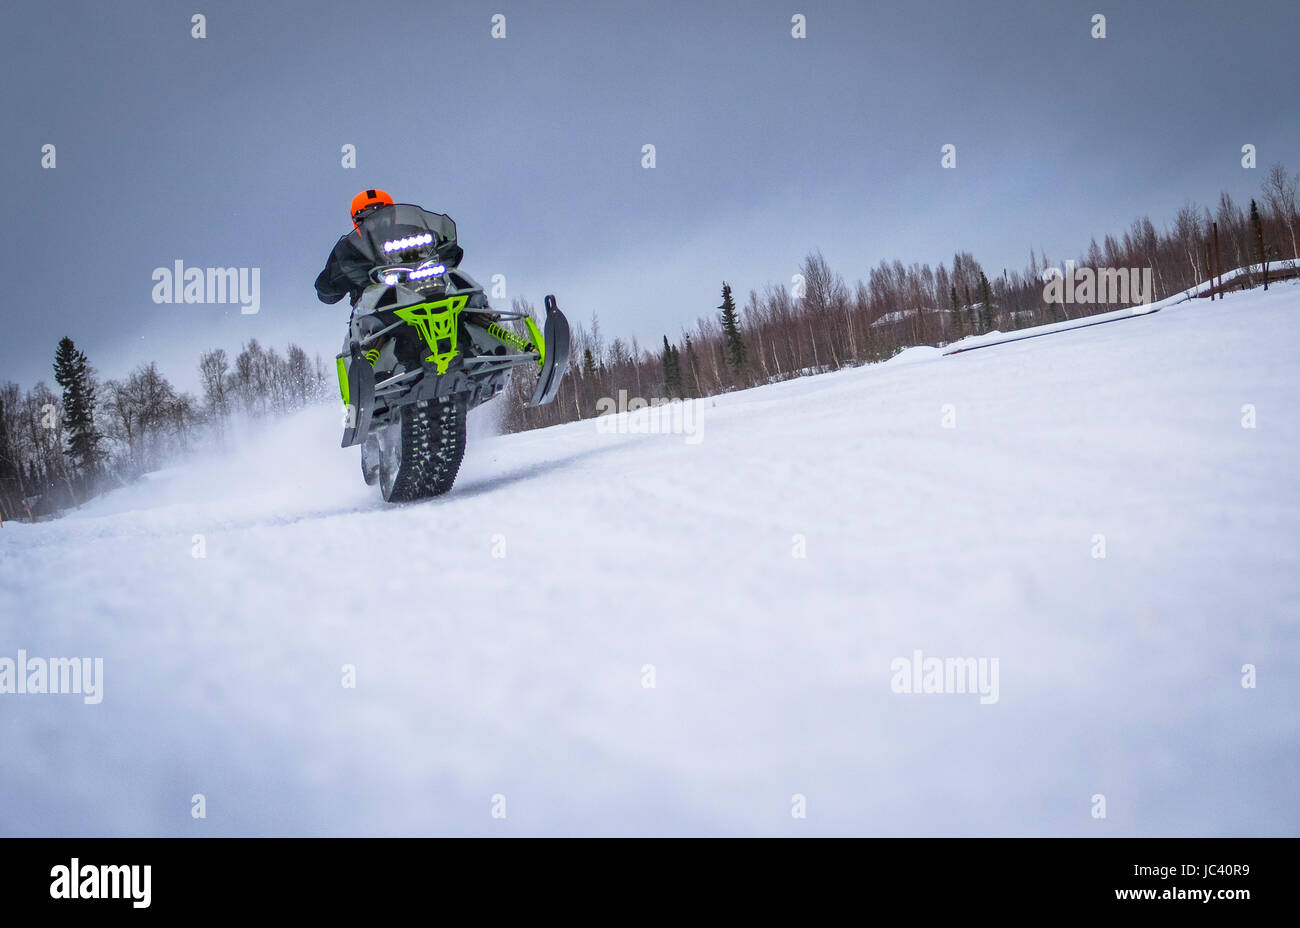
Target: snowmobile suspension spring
[(509, 338)]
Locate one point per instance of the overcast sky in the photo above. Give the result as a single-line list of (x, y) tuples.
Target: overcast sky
[(225, 151)]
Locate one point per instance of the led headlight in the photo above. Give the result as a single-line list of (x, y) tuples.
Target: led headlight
[(411, 241), (424, 272)]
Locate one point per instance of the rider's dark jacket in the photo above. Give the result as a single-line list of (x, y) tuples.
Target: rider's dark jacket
[(347, 272)]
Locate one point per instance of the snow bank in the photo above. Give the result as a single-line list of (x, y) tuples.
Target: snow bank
[(916, 353)]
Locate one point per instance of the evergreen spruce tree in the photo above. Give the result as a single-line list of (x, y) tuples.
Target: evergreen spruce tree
[(672, 371), (73, 374), (10, 476), (731, 328), (588, 364), (694, 366), (7, 456), (1257, 224), (955, 312), (986, 311)]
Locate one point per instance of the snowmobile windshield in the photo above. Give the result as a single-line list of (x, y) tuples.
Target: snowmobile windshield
[(403, 232)]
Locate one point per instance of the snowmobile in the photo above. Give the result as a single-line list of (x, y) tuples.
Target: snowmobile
[(424, 347)]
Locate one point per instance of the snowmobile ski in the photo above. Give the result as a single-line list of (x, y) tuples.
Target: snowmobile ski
[(358, 381), (555, 354)]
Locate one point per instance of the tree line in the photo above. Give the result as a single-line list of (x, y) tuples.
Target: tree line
[(59, 449), (822, 323)]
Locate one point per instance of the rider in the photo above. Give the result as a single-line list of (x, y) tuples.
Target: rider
[(347, 270)]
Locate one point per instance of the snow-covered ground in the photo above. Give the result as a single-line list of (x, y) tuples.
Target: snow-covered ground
[(518, 683)]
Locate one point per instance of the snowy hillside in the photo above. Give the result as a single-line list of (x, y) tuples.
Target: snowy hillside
[(523, 676)]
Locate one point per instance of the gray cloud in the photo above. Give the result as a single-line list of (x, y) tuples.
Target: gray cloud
[(225, 151)]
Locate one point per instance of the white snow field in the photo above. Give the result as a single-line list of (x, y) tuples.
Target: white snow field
[(517, 684)]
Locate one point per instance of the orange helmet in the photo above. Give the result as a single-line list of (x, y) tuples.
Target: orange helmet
[(366, 199)]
